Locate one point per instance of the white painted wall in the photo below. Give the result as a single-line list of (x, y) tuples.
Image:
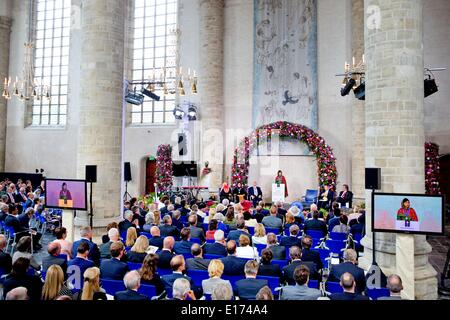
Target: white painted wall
[(6, 8)]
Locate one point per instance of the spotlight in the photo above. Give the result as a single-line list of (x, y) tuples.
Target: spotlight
[(348, 87), (134, 97), (360, 91), (42, 170), (430, 86), (192, 113), (37, 170), (178, 113), (147, 91)]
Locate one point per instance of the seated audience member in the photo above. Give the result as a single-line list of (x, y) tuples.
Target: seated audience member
[(66, 246), (181, 290), (167, 229), (11, 220), (334, 220), (23, 248), (249, 287), (164, 210), (359, 226), (300, 291), (218, 247), (281, 211), (315, 224), (138, 252), (395, 286), (149, 273), (245, 250), (25, 217), (166, 254), (222, 292), (17, 294), (5, 258), (212, 228), (292, 239), (308, 254), (272, 221), (259, 213), (178, 266), (249, 220), (91, 286), (114, 269), (53, 258), (296, 260), (349, 265), (266, 268), (54, 284), (279, 252), (131, 237), (342, 227), (132, 281), (113, 236), (264, 294), (232, 264), (196, 232), (137, 216), (156, 240), (86, 236), (215, 271), (19, 277), (176, 220), (348, 283), (184, 245), (197, 262), (128, 222), (290, 218), (230, 220), (79, 264), (259, 237), (149, 222), (105, 237), (235, 234)]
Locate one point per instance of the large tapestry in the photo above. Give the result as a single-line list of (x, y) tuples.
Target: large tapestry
[(285, 66)]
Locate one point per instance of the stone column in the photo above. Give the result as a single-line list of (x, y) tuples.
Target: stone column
[(358, 117), (395, 133), (5, 31), (101, 82), (211, 89)]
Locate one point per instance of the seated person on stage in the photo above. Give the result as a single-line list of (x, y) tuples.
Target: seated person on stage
[(326, 198), (114, 269), (266, 268), (249, 287), (279, 252), (349, 265), (132, 281), (349, 285), (345, 196), (239, 192), (225, 192), (300, 291), (295, 255), (254, 194), (219, 245)]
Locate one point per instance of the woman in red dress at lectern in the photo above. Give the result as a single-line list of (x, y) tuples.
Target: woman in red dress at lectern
[(280, 179)]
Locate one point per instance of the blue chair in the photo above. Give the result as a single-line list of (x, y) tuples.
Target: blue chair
[(313, 284), (273, 230), (147, 290), (210, 240), (184, 219), (198, 276), (260, 247), (337, 236), (187, 256), (336, 246), (310, 197), (43, 275), (281, 263), (196, 240), (251, 230), (376, 293), (148, 235), (324, 254), (212, 256), (123, 235), (62, 256), (112, 286), (333, 287), (273, 282), (163, 272), (134, 266), (207, 297), (205, 227), (315, 234), (297, 204)]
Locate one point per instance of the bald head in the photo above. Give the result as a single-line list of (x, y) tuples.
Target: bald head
[(313, 207), (154, 231), (168, 243), (2, 241), (395, 284), (348, 282), (19, 293), (177, 263), (54, 248)]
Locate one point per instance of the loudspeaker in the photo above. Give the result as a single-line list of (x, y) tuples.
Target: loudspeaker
[(182, 147), (127, 171), (430, 87), (373, 178), (91, 173)]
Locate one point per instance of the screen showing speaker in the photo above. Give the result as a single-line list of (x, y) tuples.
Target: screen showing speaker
[(66, 194), (408, 213)]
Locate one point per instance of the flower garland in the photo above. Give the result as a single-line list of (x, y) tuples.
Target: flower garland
[(432, 168), (326, 162), (164, 167)]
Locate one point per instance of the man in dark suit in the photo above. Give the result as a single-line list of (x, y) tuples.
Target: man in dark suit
[(345, 196), (164, 209), (196, 232), (296, 260), (132, 281), (348, 283), (105, 248), (279, 252), (86, 236), (5, 258), (156, 240), (12, 221), (197, 262), (137, 216), (395, 287), (54, 250), (335, 220), (233, 266), (281, 211), (166, 255), (316, 224), (176, 220), (249, 287), (128, 222), (168, 229), (349, 265), (235, 234), (183, 246), (77, 266), (114, 269), (21, 196), (292, 239), (178, 266), (254, 194), (310, 255), (218, 247)]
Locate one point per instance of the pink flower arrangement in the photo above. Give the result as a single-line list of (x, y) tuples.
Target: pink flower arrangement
[(164, 165), (432, 168)]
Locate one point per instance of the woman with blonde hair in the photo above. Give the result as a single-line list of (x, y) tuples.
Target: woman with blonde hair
[(131, 237), (215, 271), (260, 236), (245, 250), (54, 284), (91, 286), (138, 252), (210, 216)]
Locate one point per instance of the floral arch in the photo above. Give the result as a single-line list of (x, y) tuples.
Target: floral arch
[(326, 162)]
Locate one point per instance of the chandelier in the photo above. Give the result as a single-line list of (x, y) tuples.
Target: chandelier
[(26, 87)]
